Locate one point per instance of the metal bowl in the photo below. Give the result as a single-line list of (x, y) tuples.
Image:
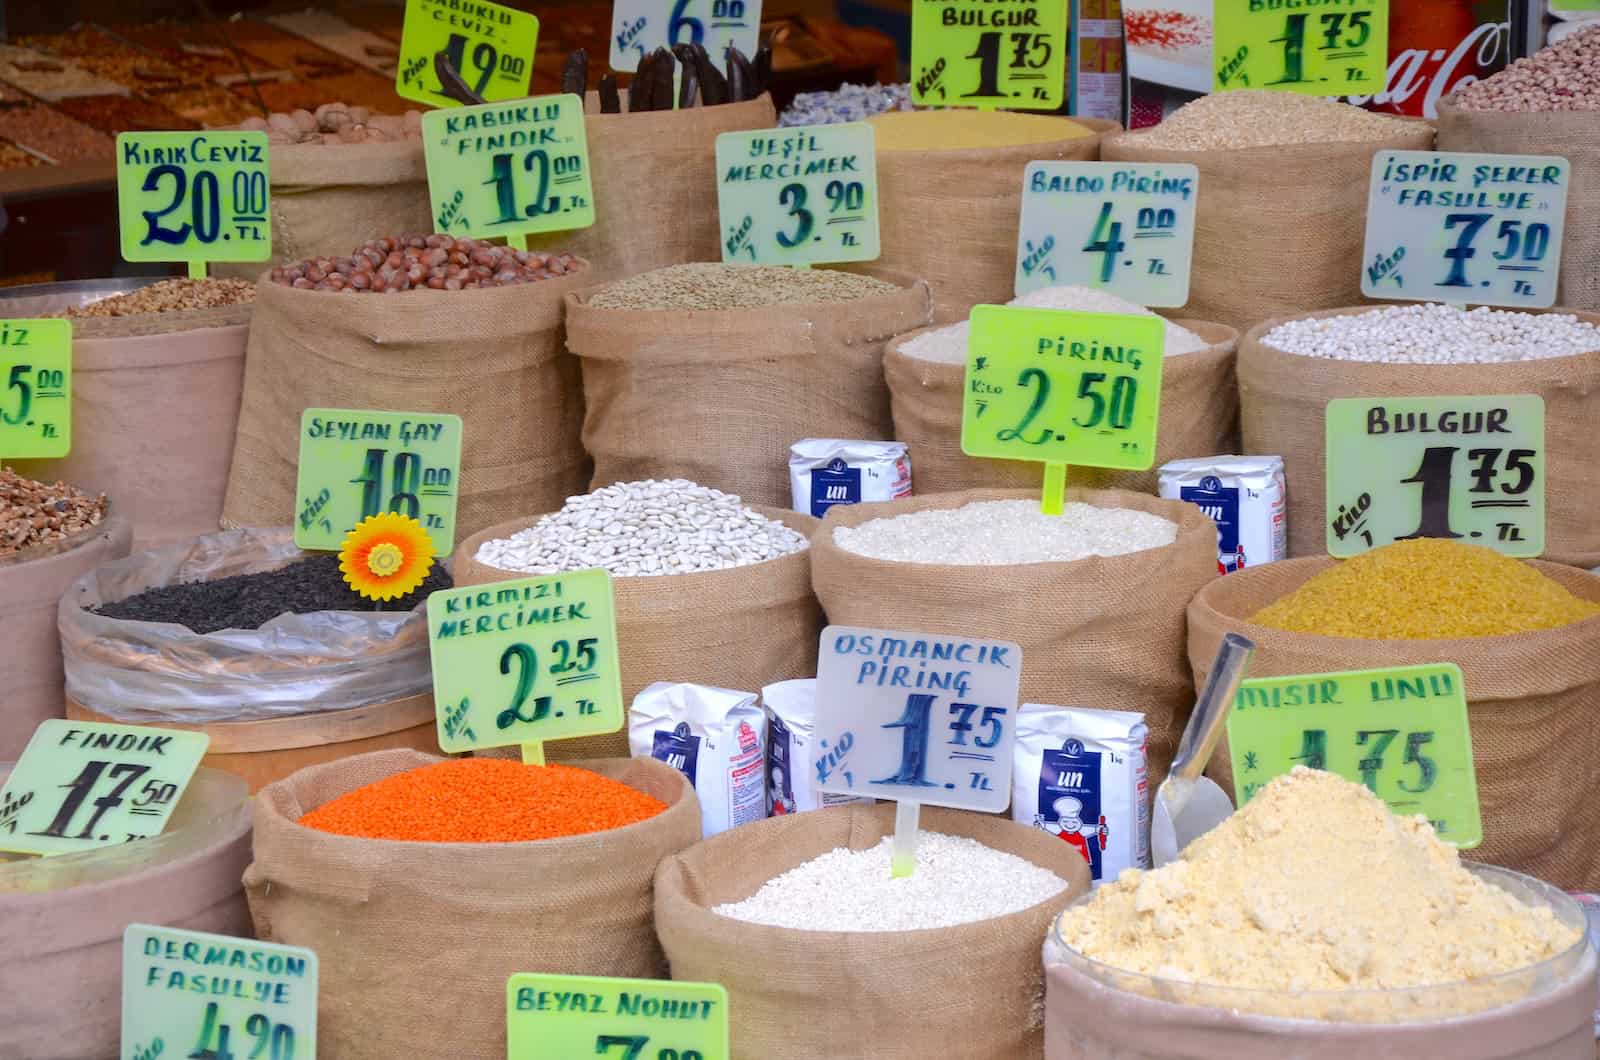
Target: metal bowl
[(44, 299)]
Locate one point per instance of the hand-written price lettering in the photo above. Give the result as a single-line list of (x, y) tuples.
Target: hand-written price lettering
[(203, 190), (628, 1003)]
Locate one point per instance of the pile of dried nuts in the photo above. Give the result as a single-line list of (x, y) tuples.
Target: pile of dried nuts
[(170, 296), (337, 123), (443, 263), (32, 513)]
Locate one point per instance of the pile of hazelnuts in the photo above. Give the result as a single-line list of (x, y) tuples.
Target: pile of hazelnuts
[(437, 262)]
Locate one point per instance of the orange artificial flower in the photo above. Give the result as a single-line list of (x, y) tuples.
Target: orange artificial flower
[(386, 556)]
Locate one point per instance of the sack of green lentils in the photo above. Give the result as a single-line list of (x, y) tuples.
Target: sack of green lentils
[(710, 372), (415, 940), (1531, 703), (1570, 134), (950, 196), (493, 356), (1105, 630), (1199, 415), (1279, 221), (1420, 351), (655, 176), (892, 995), (740, 627)]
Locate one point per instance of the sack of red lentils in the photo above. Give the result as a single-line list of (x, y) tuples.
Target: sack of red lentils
[(1199, 415), (740, 627), (1282, 208), (973, 989), (950, 196), (1426, 350), (655, 183), (1532, 699), (493, 356), (415, 940), (710, 372), (1570, 134), (1104, 631)]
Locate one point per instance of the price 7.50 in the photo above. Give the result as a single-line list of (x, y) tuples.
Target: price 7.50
[(1528, 245)]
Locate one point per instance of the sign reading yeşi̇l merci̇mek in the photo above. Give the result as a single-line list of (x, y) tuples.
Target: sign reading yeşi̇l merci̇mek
[(798, 196)]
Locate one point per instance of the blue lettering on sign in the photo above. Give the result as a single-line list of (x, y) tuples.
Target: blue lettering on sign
[(1069, 801), (679, 749), (1221, 505), (838, 483)]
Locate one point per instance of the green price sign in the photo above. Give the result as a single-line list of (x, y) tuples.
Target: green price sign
[(639, 27), (489, 45), (355, 463), (194, 197), (36, 404), (1470, 468), (509, 169), (549, 1016), (989, 53), (1279, 44), (799, 195), (134, 773), (1401, 732), (522, 662), (194, 994)]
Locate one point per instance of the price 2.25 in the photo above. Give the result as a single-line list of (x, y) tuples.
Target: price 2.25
[(572, 664)]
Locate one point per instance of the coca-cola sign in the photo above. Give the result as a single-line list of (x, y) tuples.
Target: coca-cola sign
[(1420, 77)]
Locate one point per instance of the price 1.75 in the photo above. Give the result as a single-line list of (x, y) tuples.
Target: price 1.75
[(1372, 745), (915, 727), (989, 53), (268, 1040)]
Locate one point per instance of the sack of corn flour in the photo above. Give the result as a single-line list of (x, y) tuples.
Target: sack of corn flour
[(792, 749), (1080, 775), (714, 736)]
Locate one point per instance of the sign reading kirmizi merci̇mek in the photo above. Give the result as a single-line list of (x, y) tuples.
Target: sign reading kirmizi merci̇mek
[(798, 196), (490, 46)]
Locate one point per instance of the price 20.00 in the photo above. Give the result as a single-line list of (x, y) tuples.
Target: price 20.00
[(1110, 403), (204, 195)]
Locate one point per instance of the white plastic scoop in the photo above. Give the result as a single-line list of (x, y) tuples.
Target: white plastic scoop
[(1189, 805)]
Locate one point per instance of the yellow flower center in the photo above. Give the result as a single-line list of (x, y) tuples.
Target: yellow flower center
[(385, 559)]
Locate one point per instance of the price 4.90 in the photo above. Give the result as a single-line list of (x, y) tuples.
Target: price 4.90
[(269, 1040)]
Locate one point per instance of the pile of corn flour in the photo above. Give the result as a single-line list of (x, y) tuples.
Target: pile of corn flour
[(1313, 886)]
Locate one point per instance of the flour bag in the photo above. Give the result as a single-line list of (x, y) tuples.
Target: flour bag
[(714, 736)]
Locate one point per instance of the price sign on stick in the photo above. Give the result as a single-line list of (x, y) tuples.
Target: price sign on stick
[(550, 1016), (1273, 45), (36, 402), (82, 785), (1468, 468), (1122, 227), (194, 197), (490, 46), (1451, 227), (194, 994), (521, 662), (355, 463), (916, 718), (639, 27), (509, 169), (1402, 732), (1062, 388), (989, 53), (799, 195)]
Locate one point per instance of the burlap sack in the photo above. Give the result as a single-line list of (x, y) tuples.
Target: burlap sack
[(1277, 229), (1199, 417), (739, 628), (331, 198), (1573, 135), (973, 991), (416, 940), (951, 216), (493, 356), (718, 396), (155, 402), (1105, 632), (655, 185), (1532, 699), (1283, 398)]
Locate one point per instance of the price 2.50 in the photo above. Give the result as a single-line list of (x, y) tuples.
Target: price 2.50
[(1114, 407)]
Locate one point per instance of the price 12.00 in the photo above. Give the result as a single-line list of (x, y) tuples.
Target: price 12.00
[(546, 174)]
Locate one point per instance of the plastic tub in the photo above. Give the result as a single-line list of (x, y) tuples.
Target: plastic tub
[(1544, 1012), (62, 918)]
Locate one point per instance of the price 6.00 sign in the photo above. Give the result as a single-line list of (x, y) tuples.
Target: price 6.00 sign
[(196, 197), (799, 195), (989, 53), (1275, 44), (639, 27), (1470, 468), (917, 717)]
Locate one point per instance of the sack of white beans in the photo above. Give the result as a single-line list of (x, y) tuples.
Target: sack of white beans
[(1289, 369), (1095, 596), (824, 954), (926, 372)]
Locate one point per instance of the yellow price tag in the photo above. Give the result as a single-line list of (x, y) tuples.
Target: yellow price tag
[(1279, 44), (194, 197), (989, 53), (36, 402), (556, 1017), (490, 46)]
